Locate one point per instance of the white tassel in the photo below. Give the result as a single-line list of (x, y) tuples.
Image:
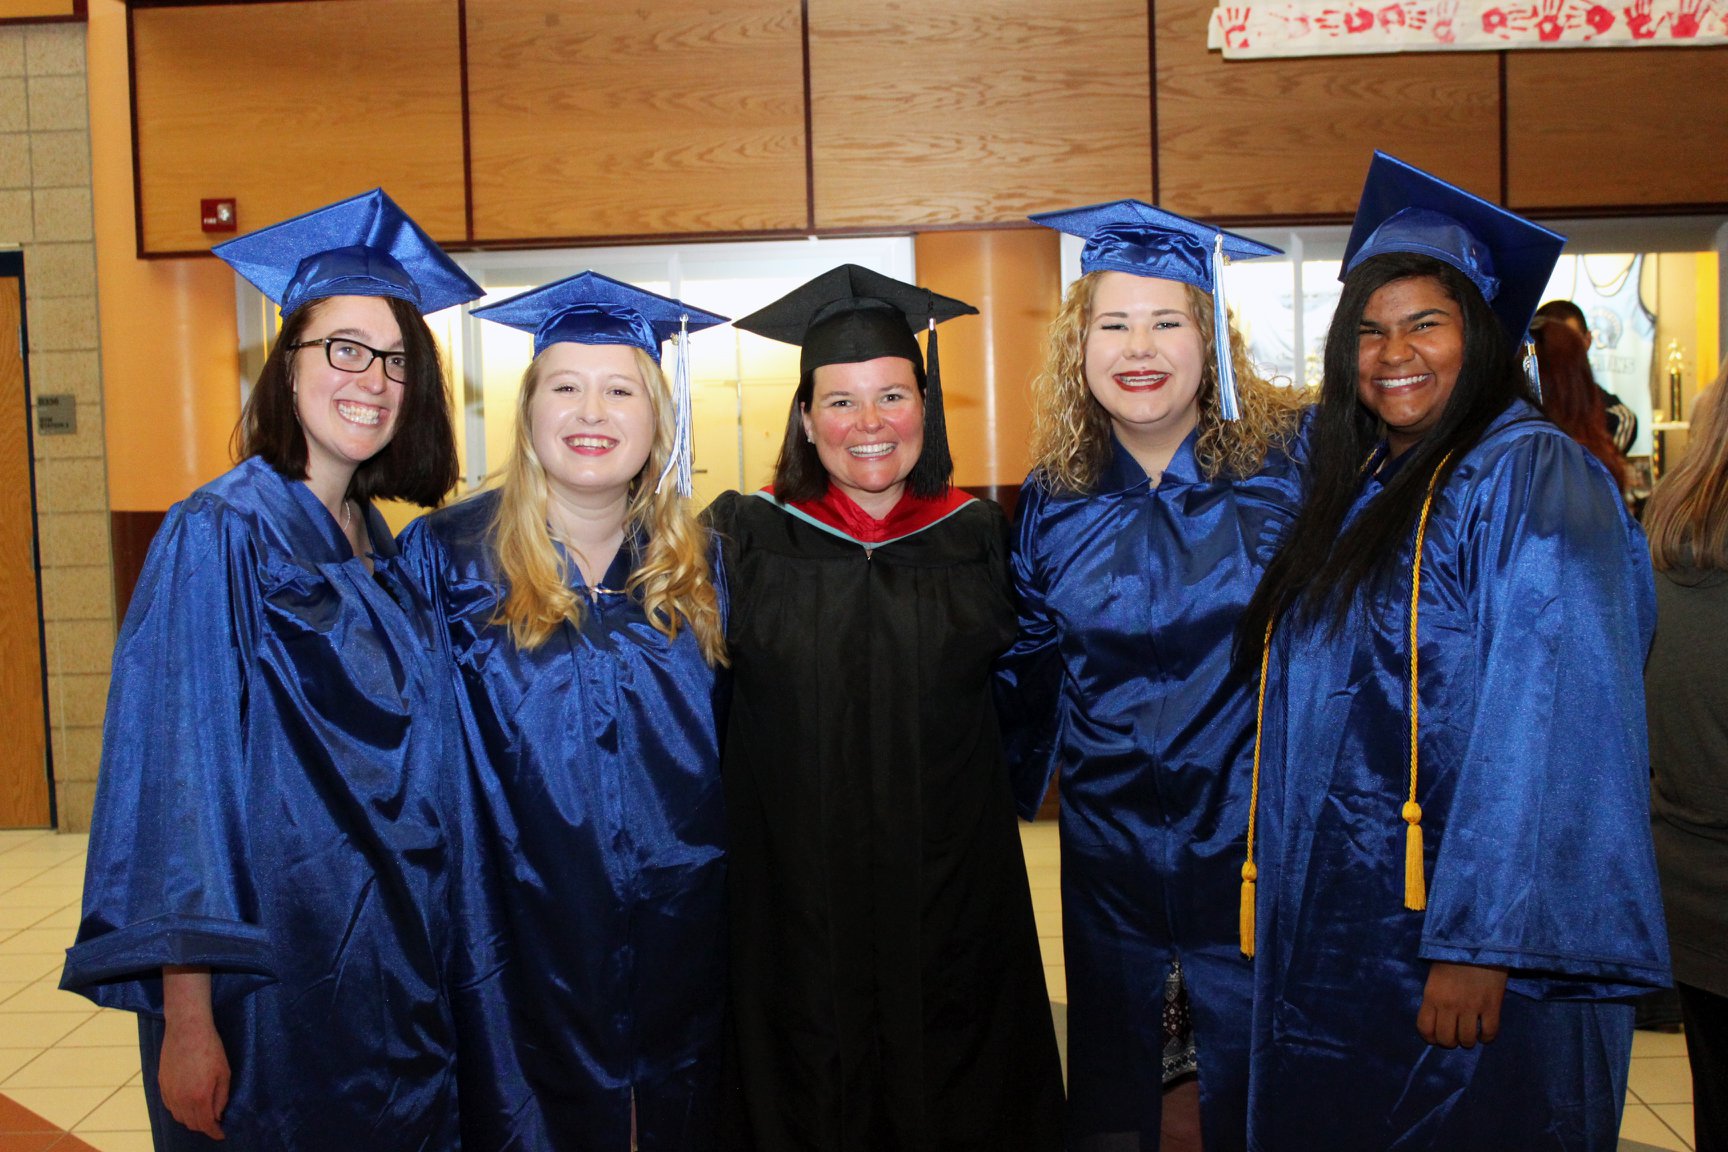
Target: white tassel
[(1227, 403), (683, 433)]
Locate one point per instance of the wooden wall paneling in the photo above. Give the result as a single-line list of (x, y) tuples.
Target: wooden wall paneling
[(1619, 128), (654, 117), (1264, 139), (288, 106), (41, 11), (952, 112)]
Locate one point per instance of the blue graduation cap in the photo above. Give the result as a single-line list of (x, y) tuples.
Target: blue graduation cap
[(362, 246), (589, 308), (1136, 238), (1508, 258)]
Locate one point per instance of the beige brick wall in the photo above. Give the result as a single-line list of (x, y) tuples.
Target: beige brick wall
[(45, 210)]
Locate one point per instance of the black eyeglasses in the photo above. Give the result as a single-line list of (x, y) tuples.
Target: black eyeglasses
[(353, 356)]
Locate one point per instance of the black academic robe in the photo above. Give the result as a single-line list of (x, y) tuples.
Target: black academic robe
[(887, 990)]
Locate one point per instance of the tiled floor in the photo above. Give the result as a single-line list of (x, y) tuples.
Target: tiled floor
[(1658, 1106), (69, 1071)]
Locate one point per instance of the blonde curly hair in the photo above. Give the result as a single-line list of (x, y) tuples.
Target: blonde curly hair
[(1071, 431)]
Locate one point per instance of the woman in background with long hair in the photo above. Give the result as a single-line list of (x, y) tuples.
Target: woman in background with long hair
[(1570, 395), (1686, 685)]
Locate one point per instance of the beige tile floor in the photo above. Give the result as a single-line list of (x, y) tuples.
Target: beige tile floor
[(61, 1057), (76, 1065), (1658, 1105)]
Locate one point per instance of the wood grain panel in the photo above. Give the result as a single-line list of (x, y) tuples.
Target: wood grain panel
[(39, 9), (654, 117), (289, 106), (1259, 139), (942, 112), (1621, 128), (23, 768)]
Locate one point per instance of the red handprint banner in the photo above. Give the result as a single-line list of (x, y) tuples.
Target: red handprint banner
[(1343, 27)]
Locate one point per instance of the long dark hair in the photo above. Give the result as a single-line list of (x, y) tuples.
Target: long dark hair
[(799, 475), (418, 465), (1319, 572)]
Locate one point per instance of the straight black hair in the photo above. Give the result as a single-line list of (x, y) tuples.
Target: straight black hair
[(799, 475), (1321, 569), (418, 465)]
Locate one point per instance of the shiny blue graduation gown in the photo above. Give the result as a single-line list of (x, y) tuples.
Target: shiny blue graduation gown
[(1536, 612), (1121, 679), (272, 805), (599, 974)]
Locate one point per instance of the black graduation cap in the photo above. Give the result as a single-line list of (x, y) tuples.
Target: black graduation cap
[(850, 314)]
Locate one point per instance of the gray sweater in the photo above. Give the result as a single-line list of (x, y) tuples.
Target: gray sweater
[(1686, 689)]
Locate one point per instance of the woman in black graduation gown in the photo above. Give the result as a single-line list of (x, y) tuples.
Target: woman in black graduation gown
[(887, 991)]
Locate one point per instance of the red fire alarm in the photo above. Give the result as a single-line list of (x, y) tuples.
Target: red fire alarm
[(219, 215)]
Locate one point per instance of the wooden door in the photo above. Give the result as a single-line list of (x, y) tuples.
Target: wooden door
[(24, 796)]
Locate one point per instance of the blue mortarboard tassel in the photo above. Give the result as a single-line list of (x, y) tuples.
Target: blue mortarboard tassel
[(1228, 405), (1532, 368), (362, 246), (682, 418), (1136, 238)]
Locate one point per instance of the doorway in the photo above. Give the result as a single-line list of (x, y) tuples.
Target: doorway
[(26, 798)]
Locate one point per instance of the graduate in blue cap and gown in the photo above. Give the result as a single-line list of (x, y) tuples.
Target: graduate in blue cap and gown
[(268, 875), (887, 991), (1456, 885), (585, 626), (1162, 475)]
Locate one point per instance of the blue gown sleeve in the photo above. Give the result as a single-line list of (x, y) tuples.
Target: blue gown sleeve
[(479, 936), (1546, 864), (168, 877), (1028, 680)]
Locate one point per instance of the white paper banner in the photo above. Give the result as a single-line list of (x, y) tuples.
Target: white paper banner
[(1342, 27)]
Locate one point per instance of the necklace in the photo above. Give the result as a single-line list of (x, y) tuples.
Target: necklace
[(347, 517)]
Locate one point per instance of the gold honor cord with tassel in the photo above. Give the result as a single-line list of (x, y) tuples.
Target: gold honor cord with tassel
[(1250, 873), (1415, 882)]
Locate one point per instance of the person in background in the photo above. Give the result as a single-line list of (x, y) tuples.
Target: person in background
[(1162, 476), (1570, 395), (887, 991), (274, 836), (1618, 418), (584, 624), (1457, 888), (1686, 690)]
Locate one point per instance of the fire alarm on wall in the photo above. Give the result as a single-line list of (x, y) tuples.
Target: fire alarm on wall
[(220, 215)]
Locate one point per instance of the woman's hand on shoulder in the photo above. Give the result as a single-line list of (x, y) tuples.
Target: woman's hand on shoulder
[(1461, 1004)]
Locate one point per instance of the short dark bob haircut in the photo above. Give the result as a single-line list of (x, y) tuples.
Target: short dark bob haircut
[(418, 465), (799, 475)]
